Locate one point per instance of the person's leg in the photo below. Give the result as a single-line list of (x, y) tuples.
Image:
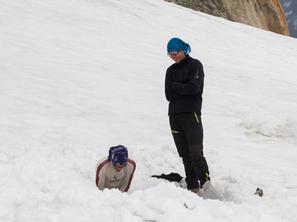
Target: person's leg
[(193, 130), (182, 149), (191, 176)]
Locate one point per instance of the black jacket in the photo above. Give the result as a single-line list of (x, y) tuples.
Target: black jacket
[(184, 86)]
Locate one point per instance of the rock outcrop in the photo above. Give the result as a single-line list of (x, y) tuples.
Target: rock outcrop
[(290, 7), (264, 14)]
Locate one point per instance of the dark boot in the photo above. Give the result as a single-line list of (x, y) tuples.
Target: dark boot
[(191, 176), (201, 169), (204, 178)]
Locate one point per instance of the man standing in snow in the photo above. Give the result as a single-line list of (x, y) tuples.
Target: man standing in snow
[(116, 171), (183, 89)]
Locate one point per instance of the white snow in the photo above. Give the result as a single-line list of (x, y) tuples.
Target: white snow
[(79, 76)]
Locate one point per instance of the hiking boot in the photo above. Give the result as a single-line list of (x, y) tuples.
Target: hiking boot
[(195, 190), (198, 191), (204, 179)]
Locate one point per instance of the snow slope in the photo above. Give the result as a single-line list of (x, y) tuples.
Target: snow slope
[(79, 76)]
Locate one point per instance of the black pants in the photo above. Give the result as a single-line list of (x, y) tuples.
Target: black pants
[(187, 133)]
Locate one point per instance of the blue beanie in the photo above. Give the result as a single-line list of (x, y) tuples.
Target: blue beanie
[(118, 155), (177, 45)]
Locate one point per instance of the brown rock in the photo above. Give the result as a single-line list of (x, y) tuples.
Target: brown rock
[(264, 14)]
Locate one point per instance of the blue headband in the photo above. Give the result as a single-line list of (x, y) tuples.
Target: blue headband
[(177, 45)]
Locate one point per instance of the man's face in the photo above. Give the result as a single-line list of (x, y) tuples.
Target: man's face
[(177, 56), (118, 167)]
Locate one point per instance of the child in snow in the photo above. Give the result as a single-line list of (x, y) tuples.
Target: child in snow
[(116, 171)]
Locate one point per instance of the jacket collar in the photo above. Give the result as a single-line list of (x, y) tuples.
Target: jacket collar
[(184, 61)]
